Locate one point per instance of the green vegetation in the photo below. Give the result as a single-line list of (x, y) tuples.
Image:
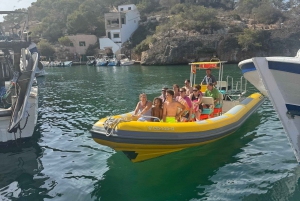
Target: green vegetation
[(64, 41), (45, 48), (253, 39), (57, 18)]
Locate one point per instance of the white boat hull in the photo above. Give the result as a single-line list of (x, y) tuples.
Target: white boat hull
[(250, 73), (29, 123), (281, 77)]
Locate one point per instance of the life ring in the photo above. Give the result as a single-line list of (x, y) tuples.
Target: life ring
[(193, 68)]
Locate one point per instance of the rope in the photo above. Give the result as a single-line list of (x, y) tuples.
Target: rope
[(110, 123)]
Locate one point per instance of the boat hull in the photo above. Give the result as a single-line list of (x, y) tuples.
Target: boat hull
[(281, 77), (251, 74), (28, 124), (145, 140)]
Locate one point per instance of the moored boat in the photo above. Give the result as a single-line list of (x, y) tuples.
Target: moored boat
[(19, 95), (281, 78), (60, 64), (125, 61), (250, 73), (141, 141)]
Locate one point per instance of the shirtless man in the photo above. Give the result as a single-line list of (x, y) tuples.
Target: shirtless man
[(170, 108)]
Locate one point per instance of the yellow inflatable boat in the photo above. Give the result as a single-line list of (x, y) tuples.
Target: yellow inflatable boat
[(145, 140)]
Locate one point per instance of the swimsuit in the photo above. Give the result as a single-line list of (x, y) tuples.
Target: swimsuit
[(171, 120)]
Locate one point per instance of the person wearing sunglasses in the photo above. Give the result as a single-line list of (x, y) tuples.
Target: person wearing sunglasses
[(143, 108), (186, 101), (170, 107), (196, 99)]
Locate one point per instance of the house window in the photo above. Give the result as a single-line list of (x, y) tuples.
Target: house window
[(71, 44), (81, 43), (123, 20), (116, 35), (129, 8), (121, 9)]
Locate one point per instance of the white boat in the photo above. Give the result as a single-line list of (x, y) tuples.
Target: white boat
[(281, 79), (92, 61), (250, 73), (19, 120), (60, 64), (112, 62), (19, 95), (125, 61), (103, 61)]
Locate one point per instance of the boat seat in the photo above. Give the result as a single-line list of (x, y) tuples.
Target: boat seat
[(219, 105), (207, 112), (208, 100), (222, 85)]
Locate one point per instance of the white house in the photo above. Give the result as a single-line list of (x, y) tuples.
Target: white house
[(119, 26)]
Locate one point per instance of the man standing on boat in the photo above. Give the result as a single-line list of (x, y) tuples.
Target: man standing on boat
[(170, 108), (209, 78)]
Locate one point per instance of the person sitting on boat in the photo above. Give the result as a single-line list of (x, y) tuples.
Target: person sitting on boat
[(157, 110), (196, 99), (170, 107), (186, 101), (187, 86), (211, 91), (163, 94), (176, 90), (143, 108), (209, 78)]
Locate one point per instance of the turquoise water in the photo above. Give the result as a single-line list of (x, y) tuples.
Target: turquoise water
[(62, 162)]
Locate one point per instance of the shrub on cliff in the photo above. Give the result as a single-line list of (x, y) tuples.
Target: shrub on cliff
[(266, 13), (253, 39)]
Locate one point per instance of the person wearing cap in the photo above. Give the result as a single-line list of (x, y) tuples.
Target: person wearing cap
[(211, 91), (163, 94), (209, 78)]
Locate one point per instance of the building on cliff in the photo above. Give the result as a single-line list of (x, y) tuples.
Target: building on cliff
[(119, 26)]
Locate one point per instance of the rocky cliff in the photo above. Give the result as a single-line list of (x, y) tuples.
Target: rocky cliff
[(183, 48)]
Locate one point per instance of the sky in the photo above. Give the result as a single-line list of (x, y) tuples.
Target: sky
[(10, 5)]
